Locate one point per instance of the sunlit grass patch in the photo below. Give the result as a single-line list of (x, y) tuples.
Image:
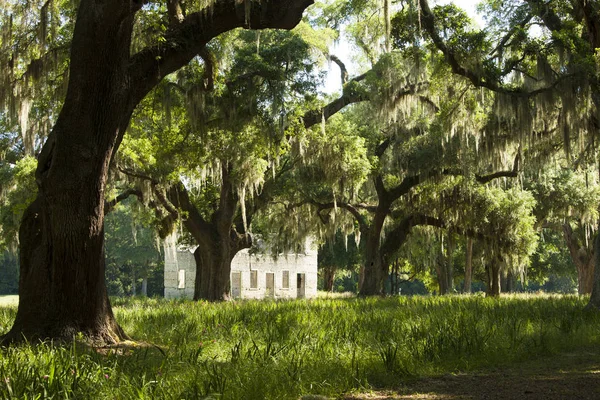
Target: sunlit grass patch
[(284, 350)]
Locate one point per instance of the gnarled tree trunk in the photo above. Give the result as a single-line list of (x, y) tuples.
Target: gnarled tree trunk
[(62, 290), (217, 238), (583, 258)]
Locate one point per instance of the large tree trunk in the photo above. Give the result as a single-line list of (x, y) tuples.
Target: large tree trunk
[(213, 269), (583, 258), (218, 240), (468, 266), (374, 277), (62, 290)]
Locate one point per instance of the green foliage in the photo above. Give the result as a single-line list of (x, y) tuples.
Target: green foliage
[(132, 253), (563, 194), (284, 350), (18, 190), (340, 252), (551, 260), (34, 43)]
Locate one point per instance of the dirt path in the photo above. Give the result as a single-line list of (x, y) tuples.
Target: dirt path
[(570, 376)]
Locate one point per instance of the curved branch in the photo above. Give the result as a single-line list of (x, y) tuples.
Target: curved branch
[(185, 39), (501, 174), (343, 70), (478, 80), (110, 205)]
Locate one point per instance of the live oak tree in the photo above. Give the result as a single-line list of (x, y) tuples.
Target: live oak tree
[(62, 289), (212, 144), (567, 203), (556, 69)]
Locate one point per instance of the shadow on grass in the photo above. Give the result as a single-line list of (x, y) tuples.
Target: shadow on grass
[(565, 376)]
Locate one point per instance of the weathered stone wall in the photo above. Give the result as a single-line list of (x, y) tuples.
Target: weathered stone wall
[(243, 263)]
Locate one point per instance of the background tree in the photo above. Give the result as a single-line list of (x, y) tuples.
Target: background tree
[(567, 204), (217, 163), (556, 68)]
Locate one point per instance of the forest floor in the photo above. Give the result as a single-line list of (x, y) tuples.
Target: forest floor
[(567, 376)]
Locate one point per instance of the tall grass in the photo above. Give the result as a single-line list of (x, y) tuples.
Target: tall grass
[(284, 350)]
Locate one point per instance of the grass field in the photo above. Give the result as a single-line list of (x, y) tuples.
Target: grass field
[(286, 350)]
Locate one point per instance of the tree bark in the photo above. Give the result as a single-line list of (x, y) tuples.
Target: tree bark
[(594, 303), (373, 277), (442, 275), (494, 277), (468, 266), (62, 290)]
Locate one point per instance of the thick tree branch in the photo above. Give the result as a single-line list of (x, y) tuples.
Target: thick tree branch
[(404, 187), (543, 10), (477, 79), (351, 96), (314, 117), (178, 196), (398, 236), (187, 38), (362, 222), (498, 49)]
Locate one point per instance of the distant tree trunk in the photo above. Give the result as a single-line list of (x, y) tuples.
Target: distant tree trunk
[(328, 278), (133, 281), (145, 287), (442, 274), (218, 239), (361, 276), (494, 271), (583, 258), (450, 265), (508, 282), (395, 278), (468, 266)]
